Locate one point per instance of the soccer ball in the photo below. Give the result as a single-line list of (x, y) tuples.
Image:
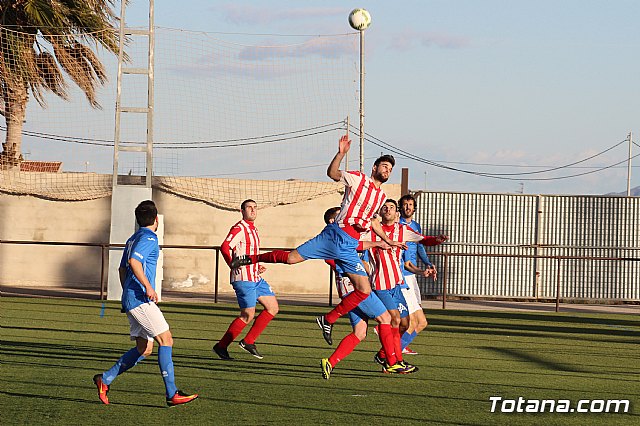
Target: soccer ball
[(359, 19)]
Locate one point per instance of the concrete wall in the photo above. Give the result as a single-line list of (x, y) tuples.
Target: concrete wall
[(187, 222)]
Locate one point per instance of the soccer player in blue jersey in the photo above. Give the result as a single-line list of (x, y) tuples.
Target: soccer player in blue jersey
[(417, 319), (137, 277)]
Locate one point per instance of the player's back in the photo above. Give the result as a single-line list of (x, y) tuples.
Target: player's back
[(143, 247)]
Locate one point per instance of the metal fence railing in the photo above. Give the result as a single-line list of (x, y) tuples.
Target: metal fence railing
[(445, 261)]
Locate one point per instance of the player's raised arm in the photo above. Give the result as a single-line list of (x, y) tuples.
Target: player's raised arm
[(377, 228), (433, 241), (425, 240), (333, 171)]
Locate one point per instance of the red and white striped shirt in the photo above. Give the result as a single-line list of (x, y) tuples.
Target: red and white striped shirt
[(386, 273), (242, 240), (360, 203), (344, 285)]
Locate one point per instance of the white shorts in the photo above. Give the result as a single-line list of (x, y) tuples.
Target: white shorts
[(146, 321), (412, 294)]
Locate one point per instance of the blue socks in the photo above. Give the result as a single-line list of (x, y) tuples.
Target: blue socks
[(407, 338), (166, 369), (132, 357), (126, 361)]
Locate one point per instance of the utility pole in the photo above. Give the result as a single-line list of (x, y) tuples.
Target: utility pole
[(362, 101), (630, 137)]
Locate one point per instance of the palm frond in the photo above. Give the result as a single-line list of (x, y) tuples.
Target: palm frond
[(51, 76)]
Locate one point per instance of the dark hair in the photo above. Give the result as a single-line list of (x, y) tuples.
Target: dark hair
[(388, 158), (408, 197), (146, 213), (389, 200), (331, 214), (244, 203)]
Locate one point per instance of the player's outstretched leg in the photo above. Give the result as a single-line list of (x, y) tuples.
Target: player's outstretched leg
[(275, 256)]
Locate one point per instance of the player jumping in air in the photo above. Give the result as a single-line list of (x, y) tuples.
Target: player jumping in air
[(370, 308), (338, 241)]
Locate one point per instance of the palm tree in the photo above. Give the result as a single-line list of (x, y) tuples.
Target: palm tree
[(39, 39)]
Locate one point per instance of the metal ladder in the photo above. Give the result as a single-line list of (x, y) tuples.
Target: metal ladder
[(124, 71)]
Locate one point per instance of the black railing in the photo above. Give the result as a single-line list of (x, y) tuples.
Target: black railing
[(106, 247)]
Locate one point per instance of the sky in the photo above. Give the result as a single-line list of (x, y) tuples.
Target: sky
[(483, 86)]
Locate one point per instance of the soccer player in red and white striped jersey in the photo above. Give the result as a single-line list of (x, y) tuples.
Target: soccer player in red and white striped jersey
[(370, 308), (250, 288), (338, 241), (387, 277)]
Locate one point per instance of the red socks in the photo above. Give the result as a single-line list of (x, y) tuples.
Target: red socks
[(346, 305), (397, 346), (276, 256), (387, 340), (236, 327), (258, 327), (345, 347)]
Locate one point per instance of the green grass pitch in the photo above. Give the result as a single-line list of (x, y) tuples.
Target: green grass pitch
[(51, 348)]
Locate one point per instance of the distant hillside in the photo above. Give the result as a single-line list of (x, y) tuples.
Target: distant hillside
[(635, 192)]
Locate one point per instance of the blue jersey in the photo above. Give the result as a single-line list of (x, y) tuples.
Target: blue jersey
[(414, 250), (142, 246)]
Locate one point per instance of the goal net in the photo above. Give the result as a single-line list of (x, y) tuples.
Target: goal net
[(235, 117)]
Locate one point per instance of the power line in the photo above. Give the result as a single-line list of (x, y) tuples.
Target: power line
[(496, 176), (504, 176), (225, 143)]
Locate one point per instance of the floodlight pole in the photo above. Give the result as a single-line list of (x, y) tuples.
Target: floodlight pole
[(346, 157), (362, 101), (630, 138)]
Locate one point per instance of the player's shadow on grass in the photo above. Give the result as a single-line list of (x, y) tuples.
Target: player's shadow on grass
[(80, 400), (537, 360), (449, 381), (365, 417), (519, 329), (50, 351), (79, 332), (91, 293), (38, 303), (581, 319)]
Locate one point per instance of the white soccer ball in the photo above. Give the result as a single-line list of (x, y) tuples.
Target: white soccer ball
[(359, 19)]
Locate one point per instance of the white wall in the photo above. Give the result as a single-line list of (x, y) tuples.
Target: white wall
[(187, 222)]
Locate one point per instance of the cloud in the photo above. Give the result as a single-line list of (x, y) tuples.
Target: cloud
[(214, 69), (326, 47), (255, 15), (409, 39), (270, 60)]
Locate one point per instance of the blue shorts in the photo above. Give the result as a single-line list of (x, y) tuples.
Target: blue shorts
[(371, 307), (334, 244), (248, 292), (393, 299)]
